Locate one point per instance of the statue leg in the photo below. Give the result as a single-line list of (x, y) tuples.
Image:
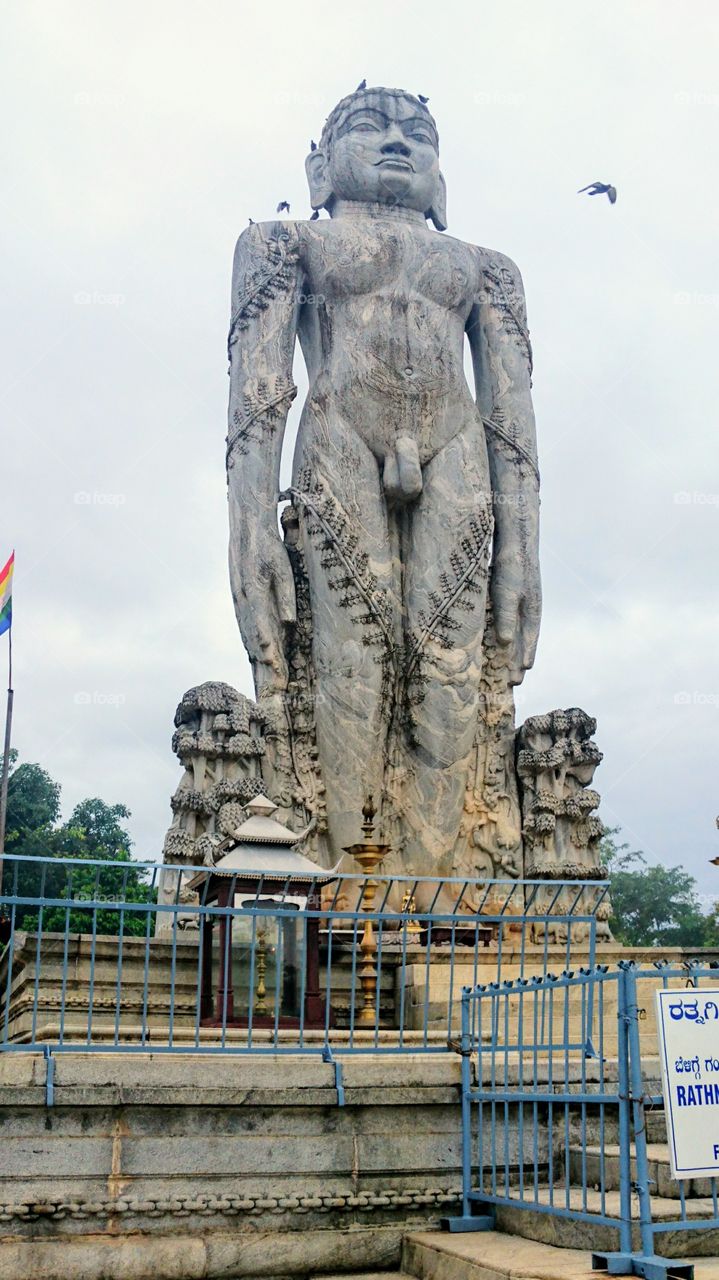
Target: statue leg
[(445, 602), (355, 613)]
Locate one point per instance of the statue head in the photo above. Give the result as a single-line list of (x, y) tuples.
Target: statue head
[(379, 146)]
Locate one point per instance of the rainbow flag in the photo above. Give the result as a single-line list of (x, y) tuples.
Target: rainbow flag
[(6, 595)]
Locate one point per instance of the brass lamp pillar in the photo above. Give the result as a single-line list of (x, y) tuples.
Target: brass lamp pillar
[(368, 855)]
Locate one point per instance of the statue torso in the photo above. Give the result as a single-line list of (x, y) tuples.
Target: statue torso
[(382, 327)]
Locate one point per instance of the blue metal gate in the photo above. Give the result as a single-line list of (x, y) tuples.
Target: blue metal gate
[(556, 1100)]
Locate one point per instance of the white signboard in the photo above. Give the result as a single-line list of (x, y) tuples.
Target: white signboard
[(688, 1025)]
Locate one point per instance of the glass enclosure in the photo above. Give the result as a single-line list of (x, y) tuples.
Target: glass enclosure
[(265, 962)]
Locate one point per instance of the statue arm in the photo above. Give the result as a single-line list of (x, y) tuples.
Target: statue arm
[(263, 327), (502, 357)]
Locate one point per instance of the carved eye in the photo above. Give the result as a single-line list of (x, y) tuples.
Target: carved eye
[(365, 126)]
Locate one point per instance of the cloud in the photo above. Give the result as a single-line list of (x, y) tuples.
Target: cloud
[(143, 140)]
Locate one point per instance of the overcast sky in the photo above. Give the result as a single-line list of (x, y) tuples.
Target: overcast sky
[(139, 137)]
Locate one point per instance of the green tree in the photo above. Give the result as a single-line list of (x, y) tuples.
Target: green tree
[(33, 804), (653, 905), (95, 831)]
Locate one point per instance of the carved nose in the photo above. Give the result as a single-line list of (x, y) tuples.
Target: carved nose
[(396, 148)]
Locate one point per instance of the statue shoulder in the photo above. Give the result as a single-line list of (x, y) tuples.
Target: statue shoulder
[(502, 299), (499, 269), (264, 242)]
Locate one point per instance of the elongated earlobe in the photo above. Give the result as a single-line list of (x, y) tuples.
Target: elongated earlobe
[(438, 210), (317, 170)]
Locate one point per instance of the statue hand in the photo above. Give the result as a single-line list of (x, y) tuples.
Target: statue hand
[(264, 592), (517, 607)]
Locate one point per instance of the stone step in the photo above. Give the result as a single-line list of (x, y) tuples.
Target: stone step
[(605, 1160), (598, 1134), (570, 1233), (656, 1125), (492, 1255)]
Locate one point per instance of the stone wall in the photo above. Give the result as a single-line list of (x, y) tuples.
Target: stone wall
[(189, 1165)]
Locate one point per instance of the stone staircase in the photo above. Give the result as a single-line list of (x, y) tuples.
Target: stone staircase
[(658, 1156), (536, 1246), (596, 1162), (493, 1255)]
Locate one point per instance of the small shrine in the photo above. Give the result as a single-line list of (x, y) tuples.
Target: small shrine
[(260, 950)]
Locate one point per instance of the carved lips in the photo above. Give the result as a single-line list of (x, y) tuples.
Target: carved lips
[(395, 162)]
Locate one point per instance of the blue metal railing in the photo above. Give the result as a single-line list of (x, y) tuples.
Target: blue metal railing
[(640, 987), (115, 955), (555, 1107), (544, 1086)]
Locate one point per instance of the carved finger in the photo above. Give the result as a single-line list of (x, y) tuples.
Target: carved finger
[(504, 607), (284, 589)]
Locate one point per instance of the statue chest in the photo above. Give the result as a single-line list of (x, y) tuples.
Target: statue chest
[(408, 262)]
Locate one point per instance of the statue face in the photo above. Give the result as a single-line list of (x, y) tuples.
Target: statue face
[(384, 150)]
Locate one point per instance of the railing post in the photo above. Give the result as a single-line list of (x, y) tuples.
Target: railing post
[(622, 1263), (314, 1011), (639, 1122), (468, 1221), (625, 1116)]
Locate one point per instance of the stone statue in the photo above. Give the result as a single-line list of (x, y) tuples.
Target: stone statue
[(413, 502), (219, 742), (556, 761)]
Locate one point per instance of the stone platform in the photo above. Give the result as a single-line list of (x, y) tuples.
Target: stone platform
[(174, 1166), (493, 1255), (137, 1009)]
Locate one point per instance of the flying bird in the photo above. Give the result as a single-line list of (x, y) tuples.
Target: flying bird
[(601, 189), (422, 98), (283, 206), (362, 85), (714, 862)]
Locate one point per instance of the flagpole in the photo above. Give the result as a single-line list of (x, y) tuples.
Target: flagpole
[(6, 753)]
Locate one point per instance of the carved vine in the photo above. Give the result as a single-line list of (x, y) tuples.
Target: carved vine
[(265, 284), (503, 291), (265, 403), (498, 428), (330, 527), (469, 562)]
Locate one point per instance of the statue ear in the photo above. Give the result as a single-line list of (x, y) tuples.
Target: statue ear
[(438, 210), (317, 170)]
